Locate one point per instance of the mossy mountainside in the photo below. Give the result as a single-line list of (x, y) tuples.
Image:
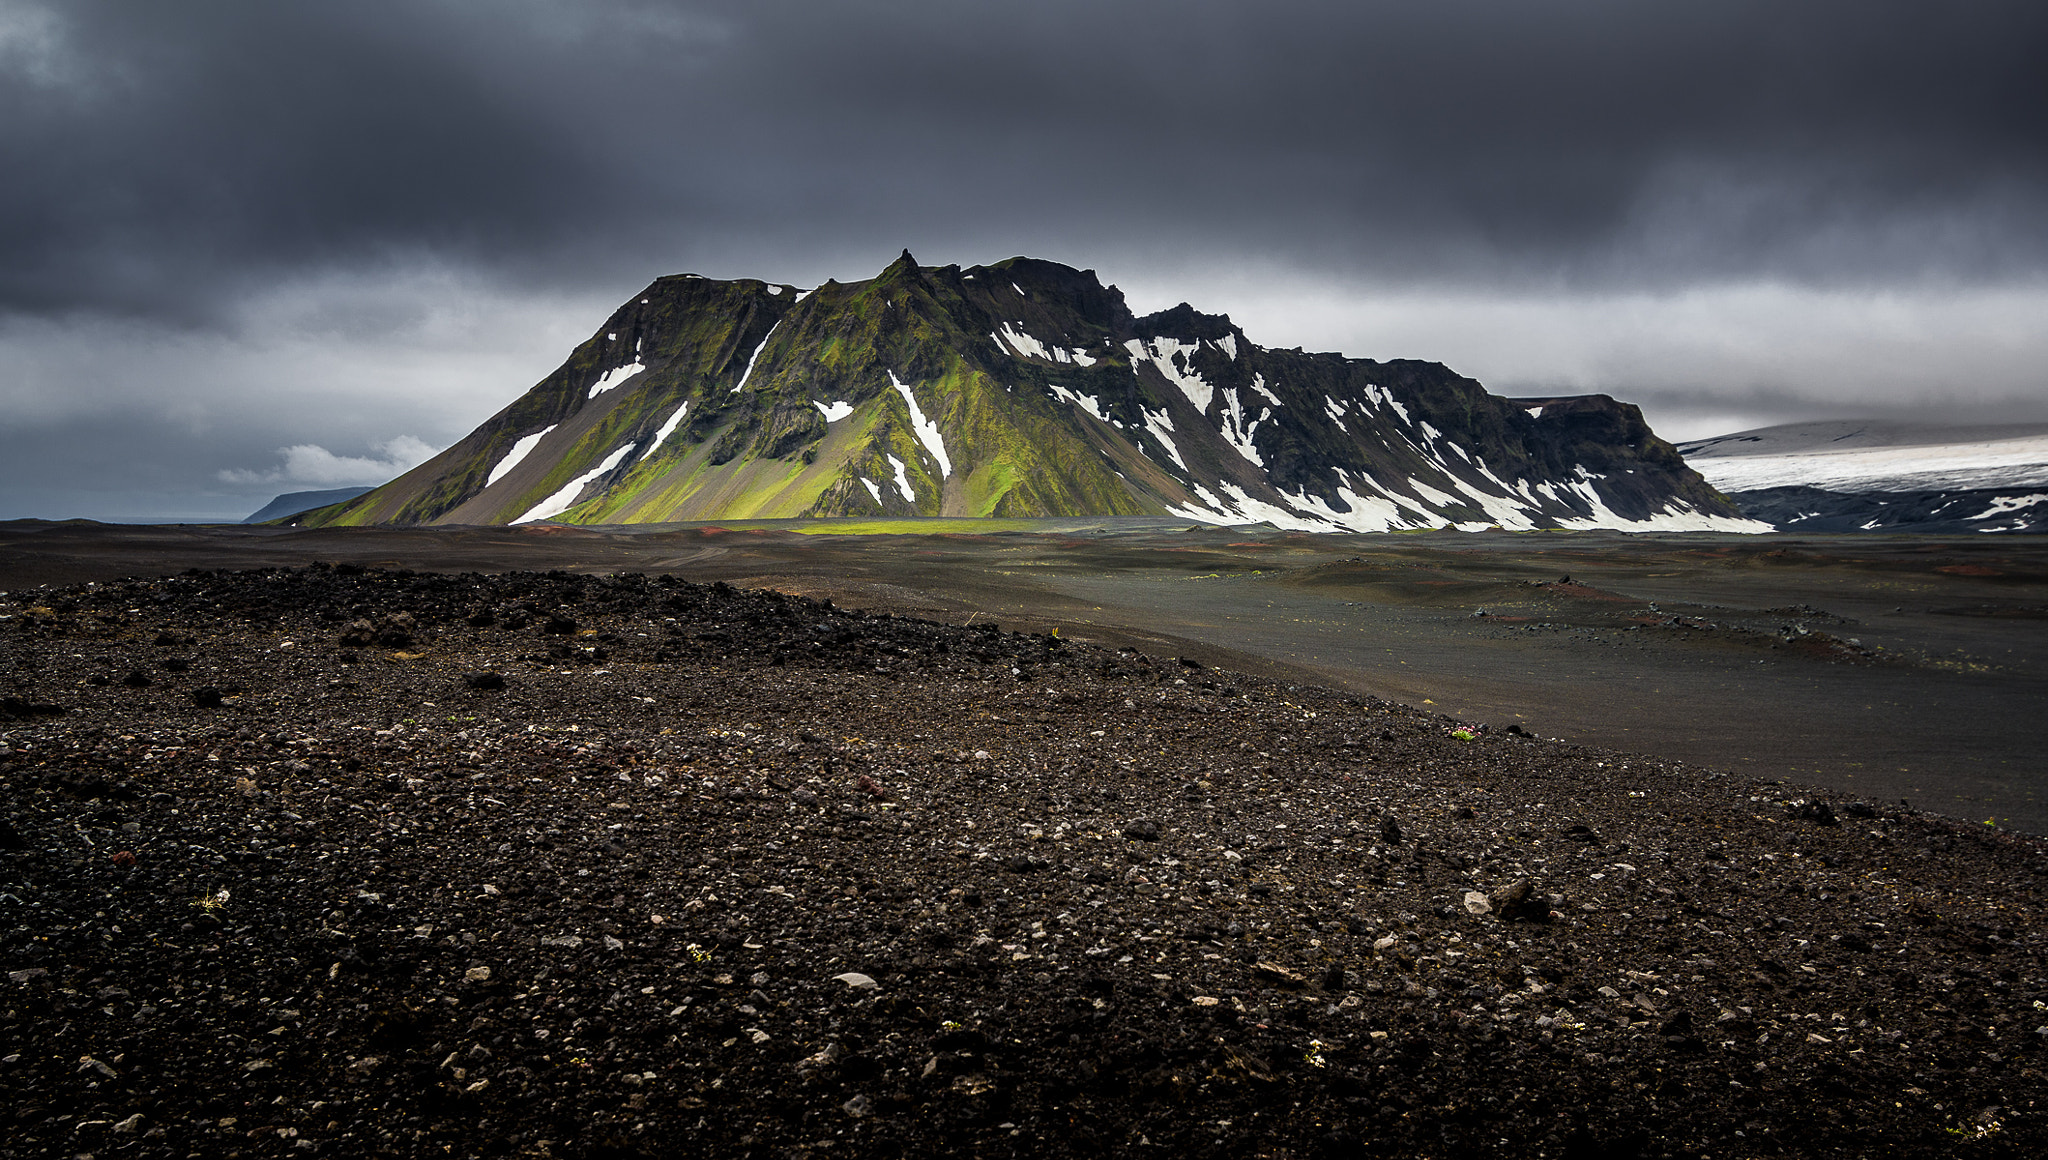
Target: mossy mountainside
[(1021, 389)]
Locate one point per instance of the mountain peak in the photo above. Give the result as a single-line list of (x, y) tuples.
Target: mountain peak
[(1184, 321)]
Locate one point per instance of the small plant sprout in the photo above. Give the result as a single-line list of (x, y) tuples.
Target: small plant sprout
[(1987, 1124), (1462, 734), (698, 953), (212, 903)]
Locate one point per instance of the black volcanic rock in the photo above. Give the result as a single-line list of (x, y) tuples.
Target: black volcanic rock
[(758, 895)]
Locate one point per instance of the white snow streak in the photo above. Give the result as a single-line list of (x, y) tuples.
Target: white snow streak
[(1024, 343), (1385, 398), (833, 412), (1021, 342), (1678, 516), (1160, 353), (1236, 432), (1335, 410), (927, 432), (562, 500), (873, 490), (2010, 503), (903, 479), (749, 372), (1088, 403), (614, 377), (520, 450), (667, 429), (1162, 429)]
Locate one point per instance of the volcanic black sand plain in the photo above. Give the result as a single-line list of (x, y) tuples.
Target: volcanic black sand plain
[(1890, 667), (1018, 841)]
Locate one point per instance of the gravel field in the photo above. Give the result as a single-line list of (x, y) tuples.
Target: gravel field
[(339, 861)]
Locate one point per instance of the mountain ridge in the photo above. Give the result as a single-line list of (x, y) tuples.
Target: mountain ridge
[(1024, 388)]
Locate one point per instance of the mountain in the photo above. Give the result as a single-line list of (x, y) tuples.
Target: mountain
[(1863, 475), (1025, 388), (292, 503)]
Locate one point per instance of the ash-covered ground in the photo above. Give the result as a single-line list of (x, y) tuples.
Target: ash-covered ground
[(336, 861)]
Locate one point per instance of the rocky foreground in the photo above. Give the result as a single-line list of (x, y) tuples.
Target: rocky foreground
[(346, 862)]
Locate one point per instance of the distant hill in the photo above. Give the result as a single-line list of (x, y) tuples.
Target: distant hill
[(1025, 388), (1814, 509), (1850, 475), (293, 502)]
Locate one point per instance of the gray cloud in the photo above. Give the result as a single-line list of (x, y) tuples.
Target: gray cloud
[(177, 167)]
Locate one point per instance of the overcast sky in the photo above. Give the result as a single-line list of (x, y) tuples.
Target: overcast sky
[(249, 247)]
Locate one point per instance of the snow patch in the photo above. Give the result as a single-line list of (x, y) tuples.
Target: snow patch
[(564, 499), (2010, 503), (1162, 430), (520, 450), (1535, 412), (1236, 432), (873, 489), (1088, 403), (1383, 398), (927, 431), (1259, 385), (833, 412), (1241, 508), (614, 377), (756, 357), (667, 429), (1367, 514), (1160, 353), (1024, 343), (902, 479), (1335, 410), (1678, 516), (1021, 342), (1229, 345)]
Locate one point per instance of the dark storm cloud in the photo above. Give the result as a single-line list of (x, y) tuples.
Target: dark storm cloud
[(165, 158), (248, 245)]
